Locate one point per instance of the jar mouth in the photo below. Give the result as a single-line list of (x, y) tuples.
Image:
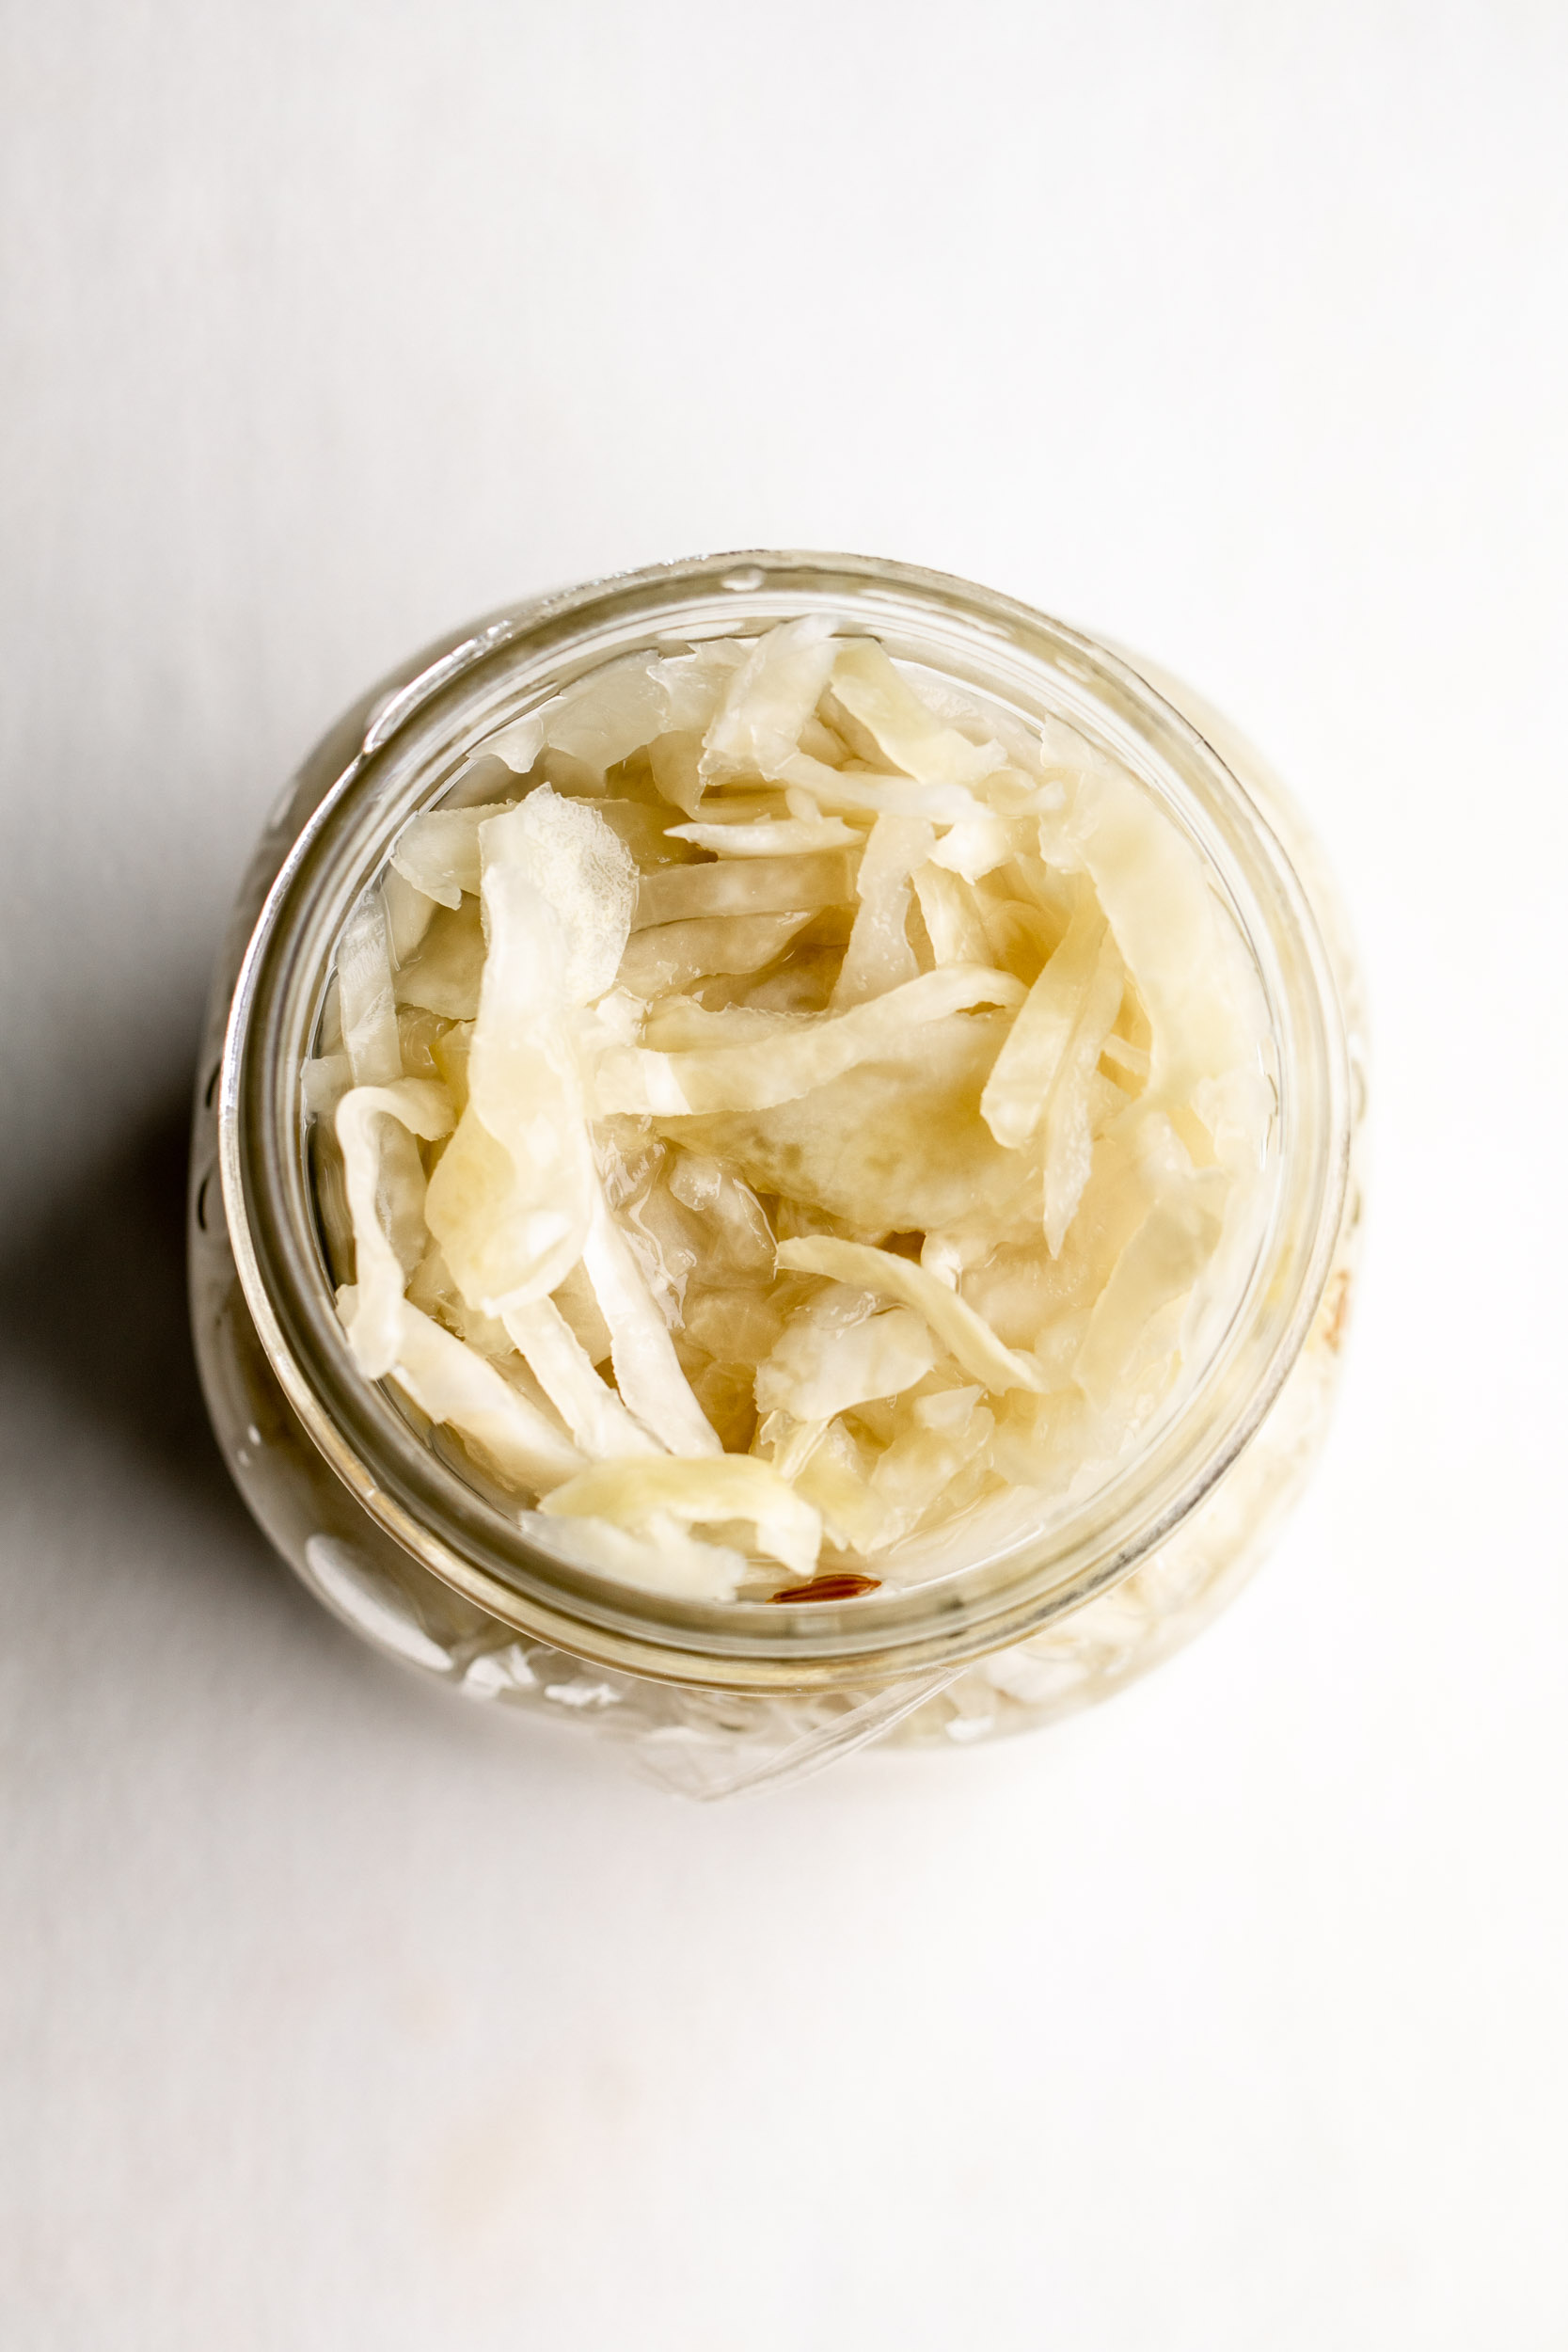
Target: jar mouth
[(414, 742)]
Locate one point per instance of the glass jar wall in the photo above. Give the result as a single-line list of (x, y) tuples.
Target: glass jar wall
[(420, 1562)]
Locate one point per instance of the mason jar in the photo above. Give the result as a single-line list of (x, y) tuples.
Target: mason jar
[(722, 1695)]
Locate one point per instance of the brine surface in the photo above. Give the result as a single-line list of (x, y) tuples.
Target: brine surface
[(790, 1123)]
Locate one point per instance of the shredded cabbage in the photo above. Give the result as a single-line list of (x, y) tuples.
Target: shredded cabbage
[(442, 974), (391, 1337), (967, 1336), (663, 1558), (647, 1369), (367, 1008), (814, 1374), (771, 837), (756, 732), (782, 885), (852, 790), (879, 955), (1026, 1069), (903, 730), (952, 925), (591, 1409), (456, 1385), (779, 1067), (670, 956), (437, 854), (408, 911), (509, 1201), (713, 1492), (385, 1181), (777, 1099)]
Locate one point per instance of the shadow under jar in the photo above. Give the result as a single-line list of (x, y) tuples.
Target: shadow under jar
[(394, 1530)]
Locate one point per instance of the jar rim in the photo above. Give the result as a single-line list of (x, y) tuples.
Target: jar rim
[(409, 744)]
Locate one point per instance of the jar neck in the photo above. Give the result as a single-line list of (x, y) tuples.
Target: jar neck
[(413, 743)]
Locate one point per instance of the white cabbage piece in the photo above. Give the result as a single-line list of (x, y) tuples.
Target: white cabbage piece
[(484, 779), (871, 1501), (576, 1300), (516, 746), (977, 847), (742, 1238), (511, 1215), (450, 1052), (1161, 1263), (383, 1182), (967, 1337), (444, 973), (942, 1257), (789, 1061), (584, 872), (591, 1409), (902, 727), (1021, 1288), (860, 790), (432, 1289), (768, 700), (952, 921), (1075, 1096), (1132, 1060), (324, 1082), (986, 722), (879, 956), (676, 764), (647, 1369), (664, 1238), (945, 1435), (392, 1339), (714, 1492), (1203, 996), (366, 1005), (816, 1374), (614, 710), (610, 713), (643, 826), (1053, 886), (1022, 937), (1019, 1090), (674, 955), (437, 854), (408, 913), (769, 707), (732, 807), (788, 1444), (785, 886), (832, 1471), (736, 1327), (895, 1144), (423, 1039), (451, 1384), (1045, 1442), (681, 1024), (661, 1559), (820, 742), (771, 837), (511, 1201)]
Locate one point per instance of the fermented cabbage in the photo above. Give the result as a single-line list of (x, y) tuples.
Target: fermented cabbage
[(789, 1124)]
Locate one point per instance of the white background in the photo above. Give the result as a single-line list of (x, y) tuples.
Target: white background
[(1231, 2019)]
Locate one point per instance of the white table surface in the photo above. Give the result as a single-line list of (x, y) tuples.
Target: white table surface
[(338, 2015)]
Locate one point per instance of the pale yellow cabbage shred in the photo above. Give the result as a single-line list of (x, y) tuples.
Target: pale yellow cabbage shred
[(788, 1116)]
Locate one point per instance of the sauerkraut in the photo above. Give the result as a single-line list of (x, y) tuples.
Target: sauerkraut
[(788, 1124)]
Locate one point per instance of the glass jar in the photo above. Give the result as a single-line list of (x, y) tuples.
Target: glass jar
[(723, 1695)]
